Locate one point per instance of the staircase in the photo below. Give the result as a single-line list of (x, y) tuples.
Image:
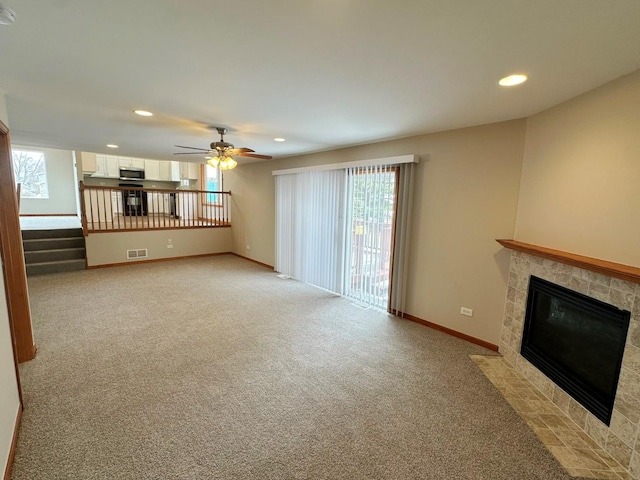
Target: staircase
[(53, 251)]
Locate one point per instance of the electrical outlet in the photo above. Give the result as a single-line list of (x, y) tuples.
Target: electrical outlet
[(169, 246), (169, 243), (466, 311)]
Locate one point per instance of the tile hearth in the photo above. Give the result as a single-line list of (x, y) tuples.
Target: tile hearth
[(569, 444)]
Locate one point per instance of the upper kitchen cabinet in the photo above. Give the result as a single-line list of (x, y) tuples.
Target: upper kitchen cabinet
[(152, 170), (107, 166), (130, 162), (184, 171), (189, 170), (138, 163), (170, 171), (88, 162), (113, 166)]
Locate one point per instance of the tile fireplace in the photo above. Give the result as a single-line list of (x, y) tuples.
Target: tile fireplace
[(621, 438)]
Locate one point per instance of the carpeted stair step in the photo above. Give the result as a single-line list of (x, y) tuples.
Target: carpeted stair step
[(55, 267), (57, 233), (31, 245), (55, 255), (53, 251)]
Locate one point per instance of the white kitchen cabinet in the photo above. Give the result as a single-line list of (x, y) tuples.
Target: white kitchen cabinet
[(124, 162), (164, 171), (152, 170), (189, 170), (137, 163), (175, 171), (101, 166), (106, 167), (88, 163), (113, 167)]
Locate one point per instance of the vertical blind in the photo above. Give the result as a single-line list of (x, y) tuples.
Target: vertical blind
[(401, 247), (370, 200), (310, 227), (347, 230)]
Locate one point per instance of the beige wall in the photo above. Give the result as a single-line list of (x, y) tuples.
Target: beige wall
[(466, 197), (108, 248), (4, 117), (9, 400), (580, 189), (61, 181)]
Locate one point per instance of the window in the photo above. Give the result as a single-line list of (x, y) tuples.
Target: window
[(211, 183), (30, 171)]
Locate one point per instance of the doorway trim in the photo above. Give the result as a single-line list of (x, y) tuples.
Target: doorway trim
[(15, 277)]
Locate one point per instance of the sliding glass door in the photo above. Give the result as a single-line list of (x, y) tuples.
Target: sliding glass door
[(347, 229), (371, 208)]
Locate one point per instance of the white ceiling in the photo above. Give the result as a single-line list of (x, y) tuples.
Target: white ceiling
[(321, 73)]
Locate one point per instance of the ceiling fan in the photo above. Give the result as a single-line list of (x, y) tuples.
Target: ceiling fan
[(224, 152)]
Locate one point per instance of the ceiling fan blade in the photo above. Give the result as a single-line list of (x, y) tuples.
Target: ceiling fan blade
[(254, 155), (204, 152), (193, 148), (241, 150)]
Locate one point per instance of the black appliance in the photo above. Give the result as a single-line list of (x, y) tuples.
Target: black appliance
[(134, 202), (131, 174), (576, 341), (173, 205)]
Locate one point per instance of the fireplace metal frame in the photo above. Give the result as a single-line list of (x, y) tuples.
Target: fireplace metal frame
[(601, 406)]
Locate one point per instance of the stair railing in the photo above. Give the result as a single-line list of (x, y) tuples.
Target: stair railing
[(118, 209)]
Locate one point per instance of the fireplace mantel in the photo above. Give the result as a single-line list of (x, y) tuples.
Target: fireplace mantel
[(618, 270)]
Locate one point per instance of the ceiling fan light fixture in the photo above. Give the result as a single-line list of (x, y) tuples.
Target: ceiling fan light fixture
[(228, 163), (213, 161)]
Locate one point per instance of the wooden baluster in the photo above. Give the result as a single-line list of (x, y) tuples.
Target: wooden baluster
[(104, 207), (155, 209), (119, 203), (138, 199), (90, 193)]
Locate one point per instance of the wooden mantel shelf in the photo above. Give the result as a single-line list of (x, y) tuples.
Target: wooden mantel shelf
[(618, 270)]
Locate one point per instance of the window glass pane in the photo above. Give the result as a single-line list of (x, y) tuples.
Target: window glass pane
[(211, 183), (30, 171)]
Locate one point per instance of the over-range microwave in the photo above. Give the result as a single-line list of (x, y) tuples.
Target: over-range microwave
[(131, 174)]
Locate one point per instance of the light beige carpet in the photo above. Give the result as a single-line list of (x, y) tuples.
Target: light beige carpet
[(216, 368)]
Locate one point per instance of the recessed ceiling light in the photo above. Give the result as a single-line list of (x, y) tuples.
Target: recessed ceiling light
[(143, 113), (278, 139), (512, 80), (111, 145), (207, 158)]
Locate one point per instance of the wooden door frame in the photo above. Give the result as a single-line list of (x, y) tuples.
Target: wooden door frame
[(15, 277)]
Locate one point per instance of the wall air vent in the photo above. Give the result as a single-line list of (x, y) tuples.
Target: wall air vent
[(140, 253)]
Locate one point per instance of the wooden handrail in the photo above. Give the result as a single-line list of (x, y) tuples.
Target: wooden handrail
[(159, 190), (119, 209)]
